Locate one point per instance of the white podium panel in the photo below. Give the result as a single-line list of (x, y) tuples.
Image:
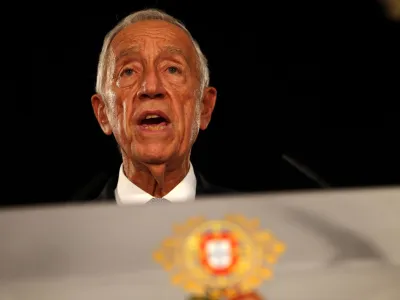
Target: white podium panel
[(339, 245)]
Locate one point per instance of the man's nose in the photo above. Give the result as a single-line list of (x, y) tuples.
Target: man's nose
[(151, 86)]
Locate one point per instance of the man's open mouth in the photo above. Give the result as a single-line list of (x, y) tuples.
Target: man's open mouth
[(154, 121)]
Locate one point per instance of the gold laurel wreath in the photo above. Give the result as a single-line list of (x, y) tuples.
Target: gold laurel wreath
[(260, 251)]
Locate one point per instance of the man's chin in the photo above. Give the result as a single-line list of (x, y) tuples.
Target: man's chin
[(154, 153), (153, 158), (154, 161)]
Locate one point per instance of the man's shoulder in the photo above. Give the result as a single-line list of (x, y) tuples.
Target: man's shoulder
[(204, 187), (100, 187)]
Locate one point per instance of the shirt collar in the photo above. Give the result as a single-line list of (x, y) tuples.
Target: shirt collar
[(129, 193)]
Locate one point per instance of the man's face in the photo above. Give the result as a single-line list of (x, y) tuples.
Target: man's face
[(153, 105)]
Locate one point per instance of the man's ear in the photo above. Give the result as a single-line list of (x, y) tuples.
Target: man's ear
[(100, 111), (207, 106)]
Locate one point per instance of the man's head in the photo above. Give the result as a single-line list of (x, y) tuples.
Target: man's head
[(152, 89)]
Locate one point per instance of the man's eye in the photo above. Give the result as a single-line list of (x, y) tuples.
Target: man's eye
[(127, 72), (173, 70)]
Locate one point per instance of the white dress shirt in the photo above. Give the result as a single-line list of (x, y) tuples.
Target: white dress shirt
[(129, 193)]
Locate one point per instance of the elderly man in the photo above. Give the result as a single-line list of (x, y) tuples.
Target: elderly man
[(153, 95)]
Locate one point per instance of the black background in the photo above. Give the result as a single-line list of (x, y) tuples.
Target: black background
[(317, 81)]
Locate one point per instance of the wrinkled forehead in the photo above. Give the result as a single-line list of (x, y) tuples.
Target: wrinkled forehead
[(155, 34)]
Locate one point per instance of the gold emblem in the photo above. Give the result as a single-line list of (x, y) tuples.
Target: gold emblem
[(219, 258)]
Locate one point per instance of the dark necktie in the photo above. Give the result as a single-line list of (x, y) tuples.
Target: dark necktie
[(158, 200)]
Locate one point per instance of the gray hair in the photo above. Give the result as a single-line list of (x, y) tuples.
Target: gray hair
[(145, 15)]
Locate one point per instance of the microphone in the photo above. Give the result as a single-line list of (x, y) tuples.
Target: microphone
[(305, 171)]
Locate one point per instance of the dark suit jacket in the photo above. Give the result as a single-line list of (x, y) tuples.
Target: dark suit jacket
[(102, 187)]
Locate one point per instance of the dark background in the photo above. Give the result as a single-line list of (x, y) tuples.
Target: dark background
[(317, 81)]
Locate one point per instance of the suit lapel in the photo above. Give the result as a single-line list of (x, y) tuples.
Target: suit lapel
[(201, 184), (108, 192)]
